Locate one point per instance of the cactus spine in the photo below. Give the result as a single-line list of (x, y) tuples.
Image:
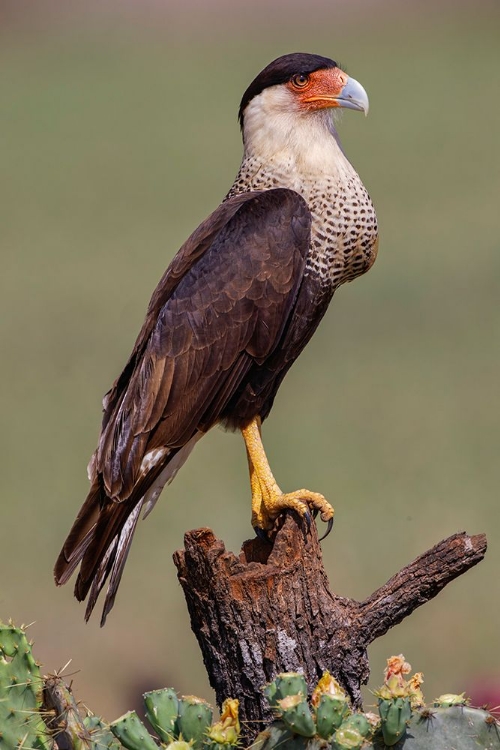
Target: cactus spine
[(181, 723), (162, 708), (40, 713), (21, 724), (403, 722)]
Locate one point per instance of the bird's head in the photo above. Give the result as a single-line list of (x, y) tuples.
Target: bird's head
[(296, 91)]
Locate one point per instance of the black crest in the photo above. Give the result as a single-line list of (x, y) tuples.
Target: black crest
[(280, 71)]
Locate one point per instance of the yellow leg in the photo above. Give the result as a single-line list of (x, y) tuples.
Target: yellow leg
[(268, 501)]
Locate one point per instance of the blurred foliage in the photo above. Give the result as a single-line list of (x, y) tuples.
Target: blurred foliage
[(119, 135)]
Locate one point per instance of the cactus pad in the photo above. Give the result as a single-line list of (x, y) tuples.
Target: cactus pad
[(132, 733), (403, 723), (193, 720), (20, 693), (162, 708)]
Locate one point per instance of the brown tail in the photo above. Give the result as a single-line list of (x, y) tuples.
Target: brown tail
[(100, 539), (79, 537), (101, 536)]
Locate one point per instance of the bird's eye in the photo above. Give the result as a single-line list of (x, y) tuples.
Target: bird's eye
[(300, 80)]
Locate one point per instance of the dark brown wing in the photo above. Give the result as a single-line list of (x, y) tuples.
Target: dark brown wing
[(193, 249), (221, 306)]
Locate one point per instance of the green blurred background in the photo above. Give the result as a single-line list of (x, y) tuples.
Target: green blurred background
[(119, 135)]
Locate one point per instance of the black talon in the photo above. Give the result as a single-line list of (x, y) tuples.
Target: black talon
[(328, 529), (308, 519), (261, 533)]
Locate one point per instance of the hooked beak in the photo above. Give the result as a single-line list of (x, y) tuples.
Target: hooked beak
[(334, 88), (353, 96)]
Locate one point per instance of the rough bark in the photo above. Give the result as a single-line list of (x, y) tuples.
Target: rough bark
[(270, 610)]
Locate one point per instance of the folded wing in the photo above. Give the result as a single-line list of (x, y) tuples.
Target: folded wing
[(222, 305)]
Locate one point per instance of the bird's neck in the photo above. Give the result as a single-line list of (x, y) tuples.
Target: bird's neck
[(310, 161), (296, 149)]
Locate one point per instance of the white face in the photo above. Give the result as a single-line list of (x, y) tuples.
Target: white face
[(277, 127)]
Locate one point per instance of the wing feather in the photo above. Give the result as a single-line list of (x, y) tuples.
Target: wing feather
[(235, 298), (221, 307)]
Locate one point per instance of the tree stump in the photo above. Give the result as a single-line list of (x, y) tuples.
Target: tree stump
[(270, 610)]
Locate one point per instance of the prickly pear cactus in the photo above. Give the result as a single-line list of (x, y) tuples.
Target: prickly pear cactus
[(100, 735), (326, 722), (162, 708), (331, 704), (455, 727), (224, 733), (193, 720), (21, 687), (396, 698), (40, 713), (403, 723), (180, 723), (132, 733)]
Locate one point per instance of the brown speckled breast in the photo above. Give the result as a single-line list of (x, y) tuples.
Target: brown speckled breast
[(344, 236)]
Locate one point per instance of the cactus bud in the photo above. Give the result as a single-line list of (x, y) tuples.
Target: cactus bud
[(226, 731), (327, 685), (414, 690), (449, 699)]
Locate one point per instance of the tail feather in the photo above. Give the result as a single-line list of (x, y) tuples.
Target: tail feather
[(97, 583), (79, 537), (100, 538), (66, 567), (99, 554), (117, 555)]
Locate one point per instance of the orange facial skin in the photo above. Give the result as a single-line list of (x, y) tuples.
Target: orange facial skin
[(320, 89)]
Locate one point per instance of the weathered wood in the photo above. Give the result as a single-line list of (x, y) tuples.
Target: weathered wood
[(271, 610), (419, 582)]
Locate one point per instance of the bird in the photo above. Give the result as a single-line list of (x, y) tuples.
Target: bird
[(234, 309)]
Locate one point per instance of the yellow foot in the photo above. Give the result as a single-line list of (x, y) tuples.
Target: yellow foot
[(268, 501), (267, 504)]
